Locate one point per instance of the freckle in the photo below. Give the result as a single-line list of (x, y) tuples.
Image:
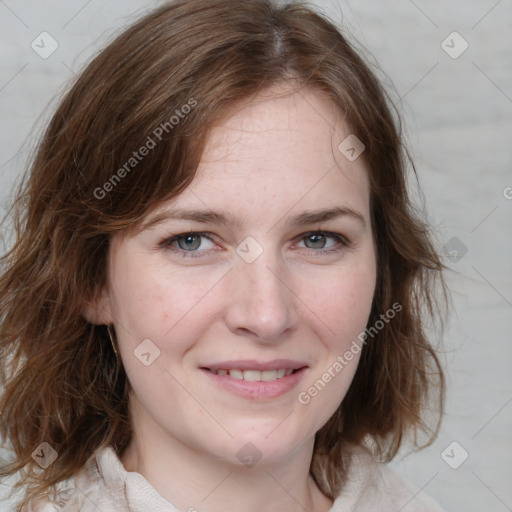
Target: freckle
[(165, 313)]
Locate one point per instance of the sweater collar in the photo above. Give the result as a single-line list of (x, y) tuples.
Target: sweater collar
[(141, 496)]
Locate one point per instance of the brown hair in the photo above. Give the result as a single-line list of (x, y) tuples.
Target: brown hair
[(58, 370)]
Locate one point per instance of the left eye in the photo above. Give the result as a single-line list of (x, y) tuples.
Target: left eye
[(320, 241)]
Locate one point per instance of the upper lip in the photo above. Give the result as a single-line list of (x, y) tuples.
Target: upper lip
[(250, 364)]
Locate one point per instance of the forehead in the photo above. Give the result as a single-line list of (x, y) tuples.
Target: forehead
[(279, 123), (276, 154)]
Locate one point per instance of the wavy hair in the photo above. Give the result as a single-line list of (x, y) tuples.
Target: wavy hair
[(58, 371)]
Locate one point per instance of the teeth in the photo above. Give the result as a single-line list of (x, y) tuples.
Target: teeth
[(256, 375), (268, 375), (252, 375), (236, 374)]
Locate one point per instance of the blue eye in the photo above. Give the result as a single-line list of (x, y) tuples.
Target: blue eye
[(189, 242), (315, 241), (323, 241)]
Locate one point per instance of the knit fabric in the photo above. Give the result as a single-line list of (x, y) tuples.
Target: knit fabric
[(104, 485)]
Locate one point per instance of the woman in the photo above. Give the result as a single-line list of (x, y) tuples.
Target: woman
[(226, 280)]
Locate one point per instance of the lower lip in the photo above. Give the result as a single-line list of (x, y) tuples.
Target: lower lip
[(257, 390)]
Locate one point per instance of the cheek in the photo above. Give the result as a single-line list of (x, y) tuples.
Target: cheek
[(159, 310), (151, 303), (342, 302)]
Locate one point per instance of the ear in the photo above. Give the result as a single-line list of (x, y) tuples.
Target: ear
[(98, 311)]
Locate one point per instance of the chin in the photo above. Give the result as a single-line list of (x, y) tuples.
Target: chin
[(259, 447)]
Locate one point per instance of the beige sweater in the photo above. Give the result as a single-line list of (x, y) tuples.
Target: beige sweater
[(105, 486)]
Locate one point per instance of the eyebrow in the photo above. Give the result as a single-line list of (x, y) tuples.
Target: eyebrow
[(211, 217)]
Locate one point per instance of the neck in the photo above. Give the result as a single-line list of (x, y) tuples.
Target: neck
[(192, 480)]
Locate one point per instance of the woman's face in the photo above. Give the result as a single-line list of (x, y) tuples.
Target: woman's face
[(263, 265)]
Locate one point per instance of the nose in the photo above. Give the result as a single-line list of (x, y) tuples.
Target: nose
[(261, 303)]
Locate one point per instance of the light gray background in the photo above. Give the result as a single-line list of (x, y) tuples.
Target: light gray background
[(459, 123)]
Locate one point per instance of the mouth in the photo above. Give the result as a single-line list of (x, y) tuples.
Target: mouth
[(256, 380), (254, 375)]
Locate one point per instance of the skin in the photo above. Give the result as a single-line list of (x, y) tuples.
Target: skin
[(274, 158)]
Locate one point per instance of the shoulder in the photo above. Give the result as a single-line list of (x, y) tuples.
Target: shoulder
[(371, 486), (41, 505), (93, 488)]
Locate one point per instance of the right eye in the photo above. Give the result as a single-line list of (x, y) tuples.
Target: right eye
[(188, 243)]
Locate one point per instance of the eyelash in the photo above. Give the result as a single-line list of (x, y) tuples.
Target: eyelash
[(342, 242)]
